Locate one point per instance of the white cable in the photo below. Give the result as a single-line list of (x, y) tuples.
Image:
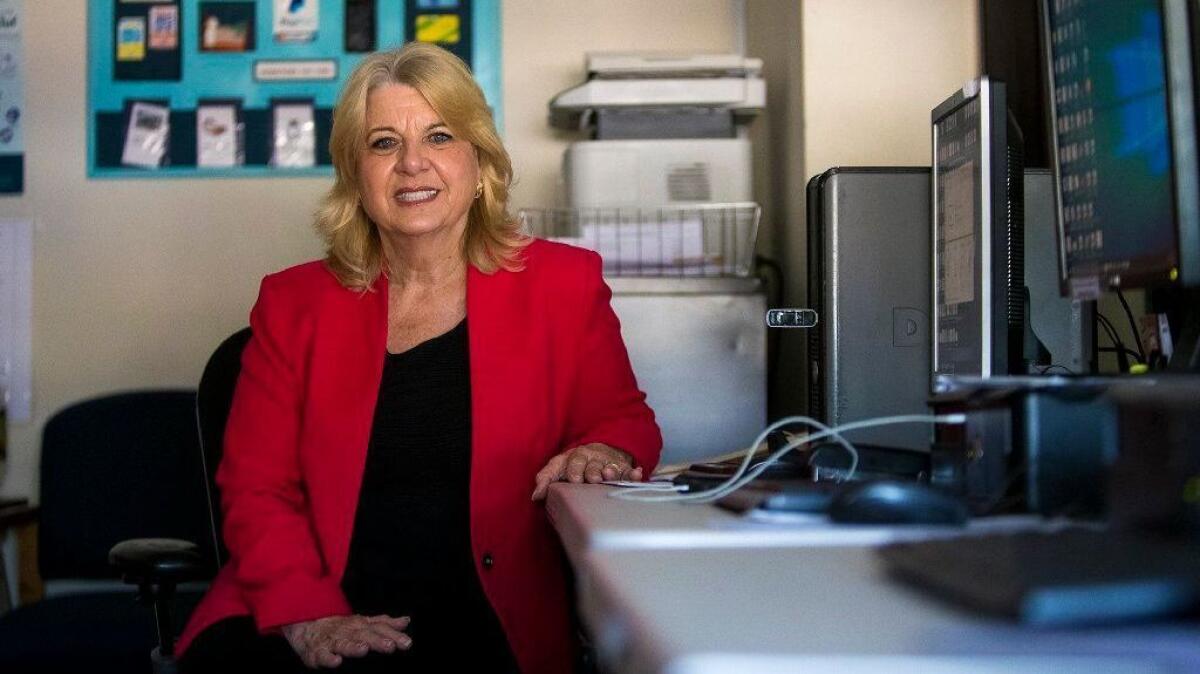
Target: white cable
[(705, 494), (741, 477)]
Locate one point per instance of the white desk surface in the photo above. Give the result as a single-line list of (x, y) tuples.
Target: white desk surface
[(587, 519), (680, 589), (828, 609)]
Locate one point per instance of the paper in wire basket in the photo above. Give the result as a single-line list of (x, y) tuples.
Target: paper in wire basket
[(703, 240)]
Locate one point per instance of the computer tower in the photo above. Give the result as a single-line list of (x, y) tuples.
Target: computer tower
[(869, 281), (868, 256)]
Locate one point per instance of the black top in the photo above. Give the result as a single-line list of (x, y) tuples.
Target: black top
[(410, 553)]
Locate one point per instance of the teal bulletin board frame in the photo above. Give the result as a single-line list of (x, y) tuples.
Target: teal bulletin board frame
[(229, 76)]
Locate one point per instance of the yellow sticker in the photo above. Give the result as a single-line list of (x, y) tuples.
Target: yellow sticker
[(442, 28)]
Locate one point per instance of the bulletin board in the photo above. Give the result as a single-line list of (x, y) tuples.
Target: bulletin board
[(243, 88)]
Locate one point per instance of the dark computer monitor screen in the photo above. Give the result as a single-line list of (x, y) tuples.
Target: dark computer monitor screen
[(978, 274), (1115, 166)]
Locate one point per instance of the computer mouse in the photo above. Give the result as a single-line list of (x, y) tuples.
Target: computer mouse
[(895, 502)]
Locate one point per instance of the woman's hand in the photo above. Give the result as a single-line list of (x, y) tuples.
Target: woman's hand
[(594, 462), (325, 641)]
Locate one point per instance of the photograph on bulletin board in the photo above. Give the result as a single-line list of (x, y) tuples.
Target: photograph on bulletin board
[(226, 26), (203, 88)]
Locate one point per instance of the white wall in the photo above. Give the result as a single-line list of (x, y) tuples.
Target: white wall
[(135, 282)]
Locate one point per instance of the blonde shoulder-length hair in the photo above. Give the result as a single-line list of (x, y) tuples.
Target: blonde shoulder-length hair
[(493, 238)]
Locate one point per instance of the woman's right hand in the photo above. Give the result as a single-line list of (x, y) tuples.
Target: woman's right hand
[(325, 641)]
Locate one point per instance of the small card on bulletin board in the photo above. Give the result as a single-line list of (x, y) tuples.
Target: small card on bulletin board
[(247, 87)]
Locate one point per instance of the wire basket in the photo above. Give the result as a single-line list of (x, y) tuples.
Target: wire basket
[(700, 240)]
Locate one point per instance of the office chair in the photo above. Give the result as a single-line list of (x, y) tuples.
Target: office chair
[(156, 566), (112, 468)]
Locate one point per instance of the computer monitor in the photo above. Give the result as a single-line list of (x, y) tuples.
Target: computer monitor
[(978, 249), (1123, 121)]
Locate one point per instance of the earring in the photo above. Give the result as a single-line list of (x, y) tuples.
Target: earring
[(479, 189)]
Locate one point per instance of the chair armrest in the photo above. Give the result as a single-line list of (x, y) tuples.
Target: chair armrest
[(157, 560), (17, 513), (17, 516)]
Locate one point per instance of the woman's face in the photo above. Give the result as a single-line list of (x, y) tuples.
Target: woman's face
[(415, 177)]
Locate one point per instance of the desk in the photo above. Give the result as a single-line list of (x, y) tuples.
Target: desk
[(785, 605)]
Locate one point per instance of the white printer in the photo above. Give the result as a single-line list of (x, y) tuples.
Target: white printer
[(665, 129), (662, 191)]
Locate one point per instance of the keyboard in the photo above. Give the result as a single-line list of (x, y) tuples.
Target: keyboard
[(1071, 577)]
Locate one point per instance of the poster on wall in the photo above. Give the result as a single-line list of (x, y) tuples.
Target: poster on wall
[(296, 20), (218, 135), (12, 101), (295, 135), (147, 136)]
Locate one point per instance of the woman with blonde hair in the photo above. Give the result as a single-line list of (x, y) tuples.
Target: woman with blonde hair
[(405, 403)]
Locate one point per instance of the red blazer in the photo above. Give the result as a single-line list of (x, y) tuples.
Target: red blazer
[(549, 371)]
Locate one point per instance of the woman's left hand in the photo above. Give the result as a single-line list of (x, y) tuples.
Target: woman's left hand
[(592, 463)]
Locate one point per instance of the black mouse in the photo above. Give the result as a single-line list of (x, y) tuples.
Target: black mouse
[(893, 502)]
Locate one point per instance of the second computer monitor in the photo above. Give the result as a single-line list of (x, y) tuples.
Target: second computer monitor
[(1122, 108), (978, 256)]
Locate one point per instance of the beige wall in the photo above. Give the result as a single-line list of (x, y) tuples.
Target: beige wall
[(872, 72), (135, 282), (544, 45)]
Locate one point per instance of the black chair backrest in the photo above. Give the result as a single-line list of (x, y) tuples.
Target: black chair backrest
[(213, 399), (117, 467)]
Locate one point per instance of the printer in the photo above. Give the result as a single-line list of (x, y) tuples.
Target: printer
[(664, 129), (660, 186)]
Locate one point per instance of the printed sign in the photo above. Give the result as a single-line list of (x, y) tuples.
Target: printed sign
[(289, 70)]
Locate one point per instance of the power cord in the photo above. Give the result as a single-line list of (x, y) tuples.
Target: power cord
[(1120, 350), (1137, 334), (742, 476)]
